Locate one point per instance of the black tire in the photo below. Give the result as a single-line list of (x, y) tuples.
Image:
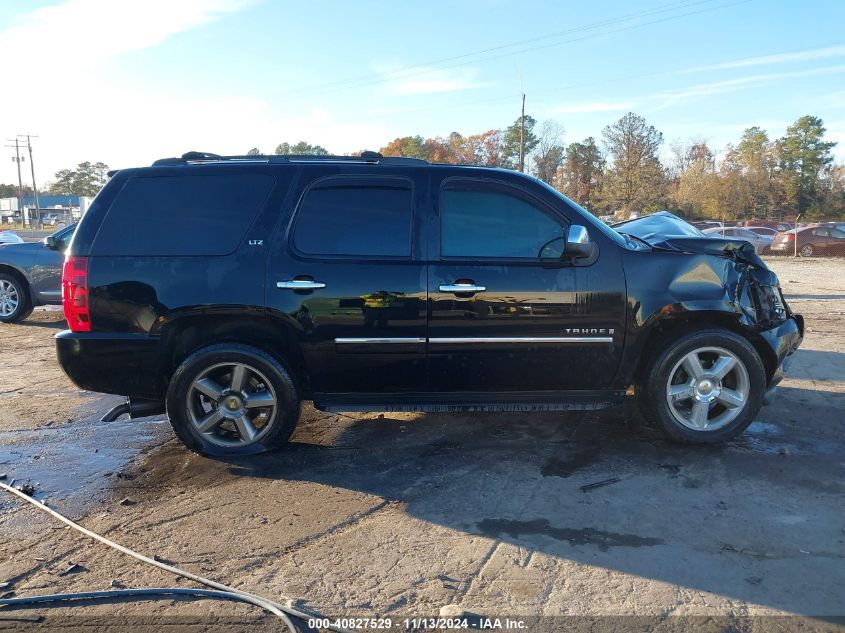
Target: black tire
[(652, 392), (280, 424), (808, 250), (25, 307)]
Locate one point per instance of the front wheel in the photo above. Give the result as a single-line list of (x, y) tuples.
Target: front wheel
[(705, 387), (231, 399)]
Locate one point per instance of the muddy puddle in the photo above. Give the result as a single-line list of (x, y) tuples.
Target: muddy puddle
[(70, 463)]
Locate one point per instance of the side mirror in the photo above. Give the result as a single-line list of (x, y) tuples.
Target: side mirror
[(51, 242), (578, 243)]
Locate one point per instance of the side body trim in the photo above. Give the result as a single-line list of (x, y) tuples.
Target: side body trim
[(474, 339)]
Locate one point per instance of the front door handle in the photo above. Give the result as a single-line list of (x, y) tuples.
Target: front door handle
[(300, 284), (461, 288)]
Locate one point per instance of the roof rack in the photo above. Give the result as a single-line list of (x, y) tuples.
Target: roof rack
[(366, 158)]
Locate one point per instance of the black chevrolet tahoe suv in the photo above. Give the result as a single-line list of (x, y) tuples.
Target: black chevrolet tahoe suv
[(227, 290)]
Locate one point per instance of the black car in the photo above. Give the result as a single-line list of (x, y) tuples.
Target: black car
[(229, 289)]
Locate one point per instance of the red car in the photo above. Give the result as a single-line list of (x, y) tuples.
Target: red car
[(813, 240)]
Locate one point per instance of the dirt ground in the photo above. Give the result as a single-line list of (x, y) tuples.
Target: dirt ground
[(400, 514)]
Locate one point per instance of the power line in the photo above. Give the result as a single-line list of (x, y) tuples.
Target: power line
[(587, 84), (426, 67), (436, 65)]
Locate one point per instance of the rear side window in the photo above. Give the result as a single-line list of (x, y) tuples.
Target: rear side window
[(355, 217), (198, 215)]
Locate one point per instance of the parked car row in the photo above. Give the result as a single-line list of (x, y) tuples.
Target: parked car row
[(779, 238)]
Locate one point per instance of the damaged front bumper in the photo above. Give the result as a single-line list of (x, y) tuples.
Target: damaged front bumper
[(784, 340)]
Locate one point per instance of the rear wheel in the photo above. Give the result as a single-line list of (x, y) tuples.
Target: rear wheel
[(231, 399), (705, 387), (807, 250), (15, 304)]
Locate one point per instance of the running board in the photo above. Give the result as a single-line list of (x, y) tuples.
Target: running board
[(482, 401)]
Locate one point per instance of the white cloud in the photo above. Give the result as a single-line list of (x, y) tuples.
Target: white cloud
[(669, 98), (777, 58), (64, 41), (92, 109), (421, 80), (587, 108)]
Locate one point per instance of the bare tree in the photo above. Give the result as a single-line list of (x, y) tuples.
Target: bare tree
[(549, 152)]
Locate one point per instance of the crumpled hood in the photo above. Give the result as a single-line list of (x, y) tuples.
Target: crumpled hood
[(657, 225), (738, 250), (667, 231)]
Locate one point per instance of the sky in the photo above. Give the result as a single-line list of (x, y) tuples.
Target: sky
[(128, 82)]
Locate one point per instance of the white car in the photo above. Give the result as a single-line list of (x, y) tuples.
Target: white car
[(10, 237), (760, 242)]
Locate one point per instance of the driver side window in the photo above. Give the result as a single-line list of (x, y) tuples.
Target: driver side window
[(487, 220)]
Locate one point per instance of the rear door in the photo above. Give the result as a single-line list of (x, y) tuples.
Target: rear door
[(507, 313), (348, 275)]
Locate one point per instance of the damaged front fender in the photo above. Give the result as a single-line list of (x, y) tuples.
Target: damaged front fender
[(692, 281)]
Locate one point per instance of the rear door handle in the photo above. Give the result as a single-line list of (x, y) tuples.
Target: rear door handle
[(300, 284), (460, 288)]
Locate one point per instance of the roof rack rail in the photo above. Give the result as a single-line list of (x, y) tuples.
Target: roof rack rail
[(366, 157)]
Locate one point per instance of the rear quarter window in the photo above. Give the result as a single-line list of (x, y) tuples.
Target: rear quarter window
[(184, 215)]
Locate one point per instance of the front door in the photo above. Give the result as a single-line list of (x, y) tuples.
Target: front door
[(507, 312), (46, 270), (346, 277)]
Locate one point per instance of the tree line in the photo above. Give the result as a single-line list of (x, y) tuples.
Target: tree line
[(623, 172)]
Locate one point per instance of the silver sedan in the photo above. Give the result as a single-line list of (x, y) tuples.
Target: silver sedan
[(760, 242), (31, 274)]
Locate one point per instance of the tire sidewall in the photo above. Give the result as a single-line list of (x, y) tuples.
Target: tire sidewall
[(658, 377), (24, 308), (287, 398)]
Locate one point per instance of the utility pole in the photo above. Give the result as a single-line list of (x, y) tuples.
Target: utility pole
[(522, 136), (34, 186), (17, 158)]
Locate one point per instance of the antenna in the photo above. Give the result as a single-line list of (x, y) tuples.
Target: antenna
[(521, 119)]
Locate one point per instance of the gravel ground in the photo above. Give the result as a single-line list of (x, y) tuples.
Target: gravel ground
[(398, 515)]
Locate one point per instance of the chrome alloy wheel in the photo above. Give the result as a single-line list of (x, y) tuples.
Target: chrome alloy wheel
[(9, 299), (707, 389), (232, 404)]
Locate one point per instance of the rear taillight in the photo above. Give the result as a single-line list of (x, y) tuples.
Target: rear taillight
[(75, 294), (790, 237)]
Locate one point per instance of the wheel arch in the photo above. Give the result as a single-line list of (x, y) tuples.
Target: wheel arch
[(19, 274), (667, 330), (186, 335)]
